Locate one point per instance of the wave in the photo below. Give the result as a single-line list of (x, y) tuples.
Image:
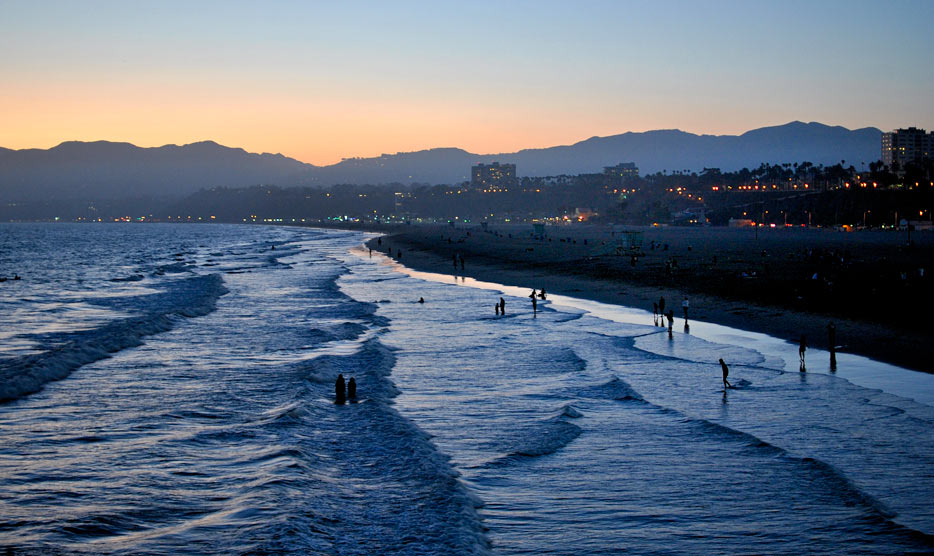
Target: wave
[(615, 389), (541, 439), (192, 297), (343, 331), (131, 278), (820, 471), (380, 446)]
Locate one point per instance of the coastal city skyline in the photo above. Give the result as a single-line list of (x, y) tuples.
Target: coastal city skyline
[(319, 83)]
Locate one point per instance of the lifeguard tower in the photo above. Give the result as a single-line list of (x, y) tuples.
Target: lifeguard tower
[(629, 244)]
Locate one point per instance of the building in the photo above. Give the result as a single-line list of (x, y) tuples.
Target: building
[(493, 176), (906, 145), (620, 174)]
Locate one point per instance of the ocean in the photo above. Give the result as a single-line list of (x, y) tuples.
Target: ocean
[(169, 389)]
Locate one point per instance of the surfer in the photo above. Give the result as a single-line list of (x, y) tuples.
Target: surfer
[(726, 373)]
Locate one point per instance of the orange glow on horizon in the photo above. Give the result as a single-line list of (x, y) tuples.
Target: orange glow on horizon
[(315, 130)]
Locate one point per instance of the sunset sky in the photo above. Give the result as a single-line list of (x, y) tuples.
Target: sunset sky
[(319, 81)]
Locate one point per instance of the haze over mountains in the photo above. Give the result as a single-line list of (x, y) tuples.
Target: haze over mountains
[(106, 170)]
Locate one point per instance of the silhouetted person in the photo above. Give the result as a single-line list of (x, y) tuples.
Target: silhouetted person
[(398, 253), (671, 321), (685, 305), (502, 306), (352, 389), (802, 347), (726, 373), (421, 299), (462, 262), (661, 305), (541, 294), (340, 393), (832, 341), (379, 241), (496, 307)]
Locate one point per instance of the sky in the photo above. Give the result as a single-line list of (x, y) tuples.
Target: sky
[(320, 81)]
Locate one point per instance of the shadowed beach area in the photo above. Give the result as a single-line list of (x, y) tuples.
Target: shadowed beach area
[(872, 285)]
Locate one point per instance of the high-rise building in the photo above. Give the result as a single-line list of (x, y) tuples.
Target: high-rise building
[(494, 176), (906, 145), (620, 174)]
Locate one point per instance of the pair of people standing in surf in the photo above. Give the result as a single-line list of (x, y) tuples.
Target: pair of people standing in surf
[(342, 393)]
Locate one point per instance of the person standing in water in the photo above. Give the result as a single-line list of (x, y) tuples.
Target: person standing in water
[(352, 389), (802, 347), (726, 373), (502, 306), (832, 341), (340, 393)]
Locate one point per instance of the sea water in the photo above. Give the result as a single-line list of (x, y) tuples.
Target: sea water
[(169, 389)]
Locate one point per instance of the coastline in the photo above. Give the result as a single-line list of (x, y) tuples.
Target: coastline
[(564, 268)]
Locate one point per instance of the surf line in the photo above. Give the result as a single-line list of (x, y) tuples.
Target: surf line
[(859, 370)]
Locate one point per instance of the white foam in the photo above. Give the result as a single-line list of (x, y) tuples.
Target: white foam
[(856, 369)]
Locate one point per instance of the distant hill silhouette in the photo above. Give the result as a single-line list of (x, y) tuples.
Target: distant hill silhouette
[(652, 151), (102, 170), (107, 170)]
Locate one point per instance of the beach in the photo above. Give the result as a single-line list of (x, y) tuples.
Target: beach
[(780, 282)]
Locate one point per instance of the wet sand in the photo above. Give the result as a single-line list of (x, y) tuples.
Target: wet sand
[(869, 284)]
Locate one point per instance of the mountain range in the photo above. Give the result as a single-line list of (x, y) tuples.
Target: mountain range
[(108, 170)]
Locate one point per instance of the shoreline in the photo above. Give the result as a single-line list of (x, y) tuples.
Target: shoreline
[(493, 256)]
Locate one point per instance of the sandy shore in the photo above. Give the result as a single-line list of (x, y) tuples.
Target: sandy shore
[(783, 282)]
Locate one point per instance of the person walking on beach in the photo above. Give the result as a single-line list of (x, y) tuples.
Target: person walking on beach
[(502, 306), (671, 321), (684, 306), (802, 347), (661, 306), (726, 373), (340, 393)]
